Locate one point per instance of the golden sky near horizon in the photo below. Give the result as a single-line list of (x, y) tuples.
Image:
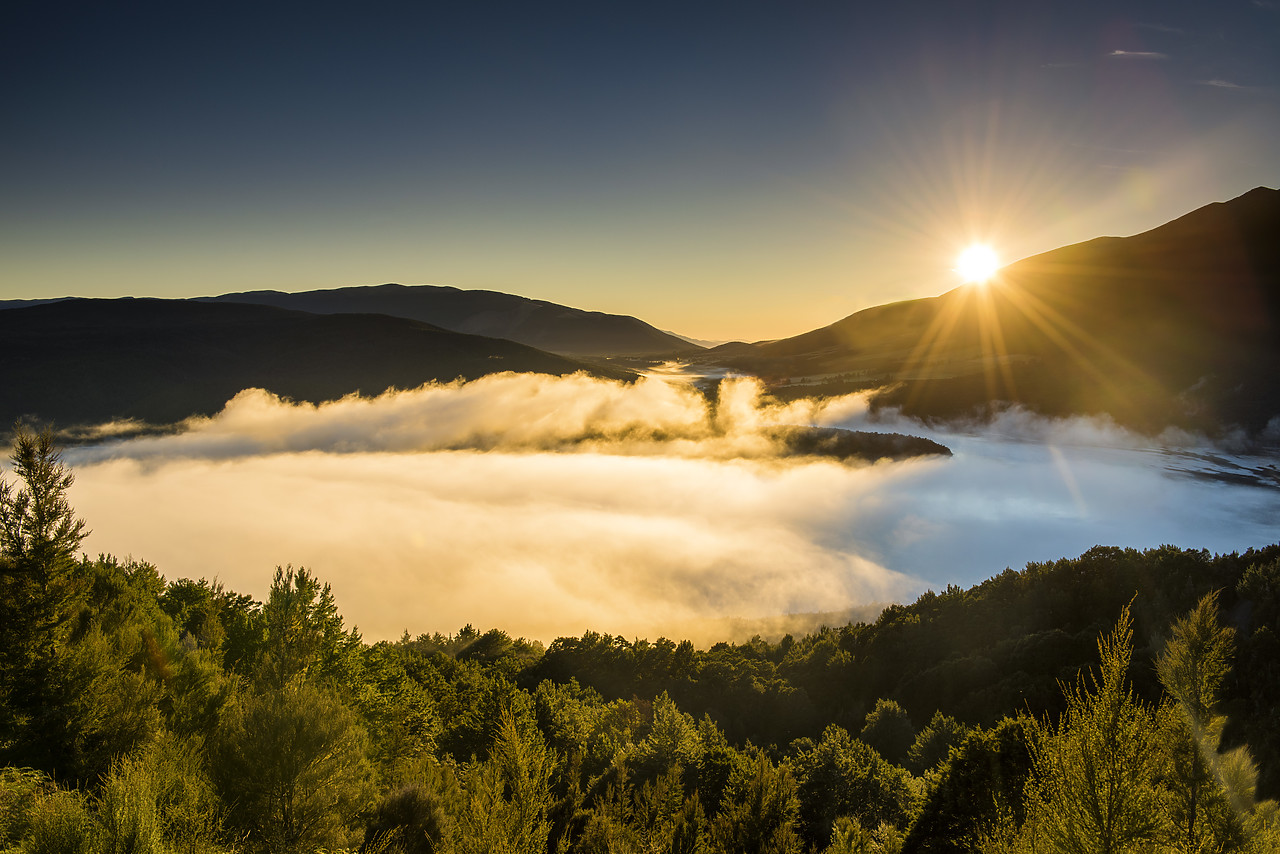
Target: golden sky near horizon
[(730, 171)]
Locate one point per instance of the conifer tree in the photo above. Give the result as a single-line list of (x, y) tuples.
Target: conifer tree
[(304, 632), (1095, 770), (1192, 667), (759, 815), (293, 765), (39, 538), (507, 795), (41, 588)]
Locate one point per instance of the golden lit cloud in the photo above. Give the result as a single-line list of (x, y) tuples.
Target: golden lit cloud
[(549, 506)]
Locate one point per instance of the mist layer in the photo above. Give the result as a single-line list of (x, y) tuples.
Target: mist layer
[(549, 506)]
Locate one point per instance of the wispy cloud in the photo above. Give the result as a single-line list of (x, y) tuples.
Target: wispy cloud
[(1220, 84), (1229, 86), (1137, 54)]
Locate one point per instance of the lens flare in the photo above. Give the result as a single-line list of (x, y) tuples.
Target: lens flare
[(977, 263)]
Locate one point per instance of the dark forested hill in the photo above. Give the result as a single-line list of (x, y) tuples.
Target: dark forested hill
[(1179, 325), (84, 361), (537, 323)]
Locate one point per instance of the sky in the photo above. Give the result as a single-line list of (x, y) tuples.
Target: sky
[(726, 170)]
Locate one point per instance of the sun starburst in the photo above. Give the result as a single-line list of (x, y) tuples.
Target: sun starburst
[(977, 263)]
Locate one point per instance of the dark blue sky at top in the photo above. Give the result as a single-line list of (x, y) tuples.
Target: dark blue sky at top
[(587, 153)]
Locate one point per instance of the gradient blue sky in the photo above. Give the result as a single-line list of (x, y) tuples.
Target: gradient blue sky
[(726, 170)]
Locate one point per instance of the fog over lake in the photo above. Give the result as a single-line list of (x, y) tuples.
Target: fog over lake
[(549, 506)]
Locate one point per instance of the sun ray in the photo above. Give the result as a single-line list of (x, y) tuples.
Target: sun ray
[(977, 263)]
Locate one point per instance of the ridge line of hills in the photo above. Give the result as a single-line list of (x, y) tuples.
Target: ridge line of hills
[(1178, 326), (533, 322), (84, 361)]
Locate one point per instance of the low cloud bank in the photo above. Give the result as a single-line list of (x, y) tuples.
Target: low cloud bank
[(549, 506), (540, 544), (502, 412)]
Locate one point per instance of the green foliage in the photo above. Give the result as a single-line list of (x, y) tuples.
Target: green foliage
[(191, 813), (689, 832), (739, 685), (567, 714), (978, 789), (198, 689), (292, 764), (759, 812), (849, 837), (158, 799), (671, 743), (654, 816), (506, 797), (1262, 829), (934, 743), (39, 538), (128, 820), (842, 776), (60, 823), (193, 607), (41, 587), (720, 763), (304, 634), (1196, 659), (20, 788), (889, 730), (419, 817), (1253, 696), (402, 717), (1095, 771), (1201, 788), (473, 699)]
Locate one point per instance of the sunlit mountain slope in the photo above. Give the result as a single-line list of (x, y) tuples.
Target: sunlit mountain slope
[(1179, 325)]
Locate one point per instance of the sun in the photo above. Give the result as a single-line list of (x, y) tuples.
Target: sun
[(977, 263)]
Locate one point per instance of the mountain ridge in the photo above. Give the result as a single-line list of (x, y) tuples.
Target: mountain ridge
[(80, 361), (537, 323), (1175, 326)]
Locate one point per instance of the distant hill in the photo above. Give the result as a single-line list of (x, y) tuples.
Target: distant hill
[(701, 342), (86, 361), (537, 323), (26, 303), (1176, 326)]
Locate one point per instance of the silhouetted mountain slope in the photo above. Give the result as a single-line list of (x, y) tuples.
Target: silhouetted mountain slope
[(1179, 325), (545, 325), (26, 303), (85, 361)]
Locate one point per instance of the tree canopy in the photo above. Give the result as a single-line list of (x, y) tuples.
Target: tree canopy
[(1094, 704)]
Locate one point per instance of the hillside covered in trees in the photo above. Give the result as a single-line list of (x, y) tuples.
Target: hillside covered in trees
[(1118, 701)]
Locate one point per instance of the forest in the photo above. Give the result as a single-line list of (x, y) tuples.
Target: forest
[(1120, 701)]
